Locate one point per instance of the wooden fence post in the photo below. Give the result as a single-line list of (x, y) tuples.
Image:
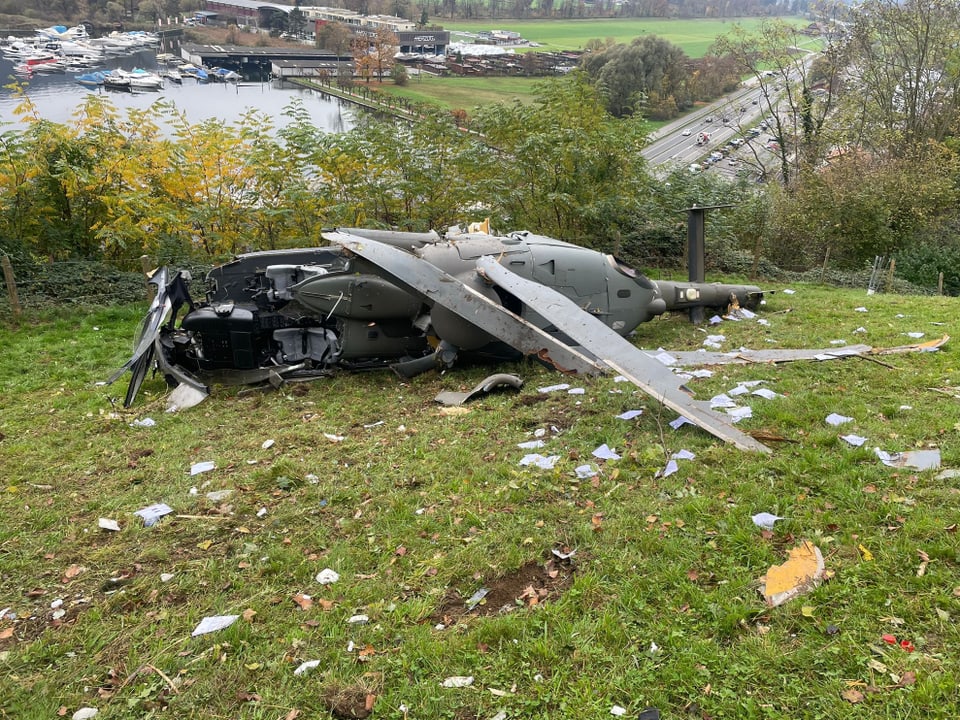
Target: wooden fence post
[(147, 265), (940, 283), (11, 286)]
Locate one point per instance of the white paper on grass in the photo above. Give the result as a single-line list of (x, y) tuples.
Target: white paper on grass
[(855, 440), (716, 320), (766, 393), (629, 414), (738, 390), (836, 419), (531, 445), (670, 468), (915, 335), (765, 520), (201, 467), (327, 576), (604, 452), (860, 309), (683, 455), (739, 413), (576, 391), (838, 342), (108, 524), (721, 401), (554, 388), (748, 314), (458, 681), (860, 330), (764, 321), (304, 666), (540, 461), (788, 291), (213, 624), (586, 471), (677, 423), (152, 513)]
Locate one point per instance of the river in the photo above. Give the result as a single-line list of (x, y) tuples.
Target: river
[(57, 96)]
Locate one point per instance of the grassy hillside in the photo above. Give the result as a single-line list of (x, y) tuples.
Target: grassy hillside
[(417, 510)]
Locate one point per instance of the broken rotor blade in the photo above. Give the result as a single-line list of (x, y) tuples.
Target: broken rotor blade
[(436, 287), (616, 353)]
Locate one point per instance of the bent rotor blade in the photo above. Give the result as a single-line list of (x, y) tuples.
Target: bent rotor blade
[(616, 353), (434, 286)]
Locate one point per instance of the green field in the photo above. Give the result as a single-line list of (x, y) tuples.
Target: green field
[(465, 92), (694, 36)]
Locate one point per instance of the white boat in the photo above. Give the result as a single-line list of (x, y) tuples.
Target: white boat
[(142, 79), (174, 76)]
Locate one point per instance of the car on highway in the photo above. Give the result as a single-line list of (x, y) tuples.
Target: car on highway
[(687, 132)]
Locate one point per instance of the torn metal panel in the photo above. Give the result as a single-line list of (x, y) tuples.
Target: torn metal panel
[(617, 354), (488, 384)]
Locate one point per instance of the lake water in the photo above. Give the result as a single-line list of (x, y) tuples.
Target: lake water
[(58, 95)]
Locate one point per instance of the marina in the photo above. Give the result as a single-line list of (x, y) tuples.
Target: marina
[(57, 75)]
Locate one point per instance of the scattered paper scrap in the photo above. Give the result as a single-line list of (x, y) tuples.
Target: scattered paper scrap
[(554, 388), (765, 520), (358, 619), (854, 440), (765, 393), (604, 452), (305, 666), (108, 524), (629, 414), (618, 711), (477, 598), (145, 422), (586, 471), (722, 401), (327, 576), (683, 455), (85, 713), (788, 291), (914, 459), (665, 358), (531, 445), (544, 462), (213, 624), (152, 513), (836, 419), (915, 335), (201, 467), (679, 422), (802, 571), (267, 444), (860, 309), (669, 470), (458, 681), (739, 413)]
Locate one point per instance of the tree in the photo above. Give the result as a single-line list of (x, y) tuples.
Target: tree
[(648, 74), (335, 37), (563, 165), (904, 72), (773, 58), (296, 21)]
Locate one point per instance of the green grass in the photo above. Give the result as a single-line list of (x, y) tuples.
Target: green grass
[(695, 36), (424, 508), (464, 92)]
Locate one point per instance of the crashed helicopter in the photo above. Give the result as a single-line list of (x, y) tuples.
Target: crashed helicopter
[(415, 302)]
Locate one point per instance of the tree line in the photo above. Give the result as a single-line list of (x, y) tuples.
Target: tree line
[(861, 176)]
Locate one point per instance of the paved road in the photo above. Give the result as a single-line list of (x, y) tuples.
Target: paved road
[(675, 144)]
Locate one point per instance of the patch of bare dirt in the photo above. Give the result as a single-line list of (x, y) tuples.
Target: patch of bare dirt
[(533, 583)]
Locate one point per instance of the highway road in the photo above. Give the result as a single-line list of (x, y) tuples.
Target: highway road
[(675, 145)]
